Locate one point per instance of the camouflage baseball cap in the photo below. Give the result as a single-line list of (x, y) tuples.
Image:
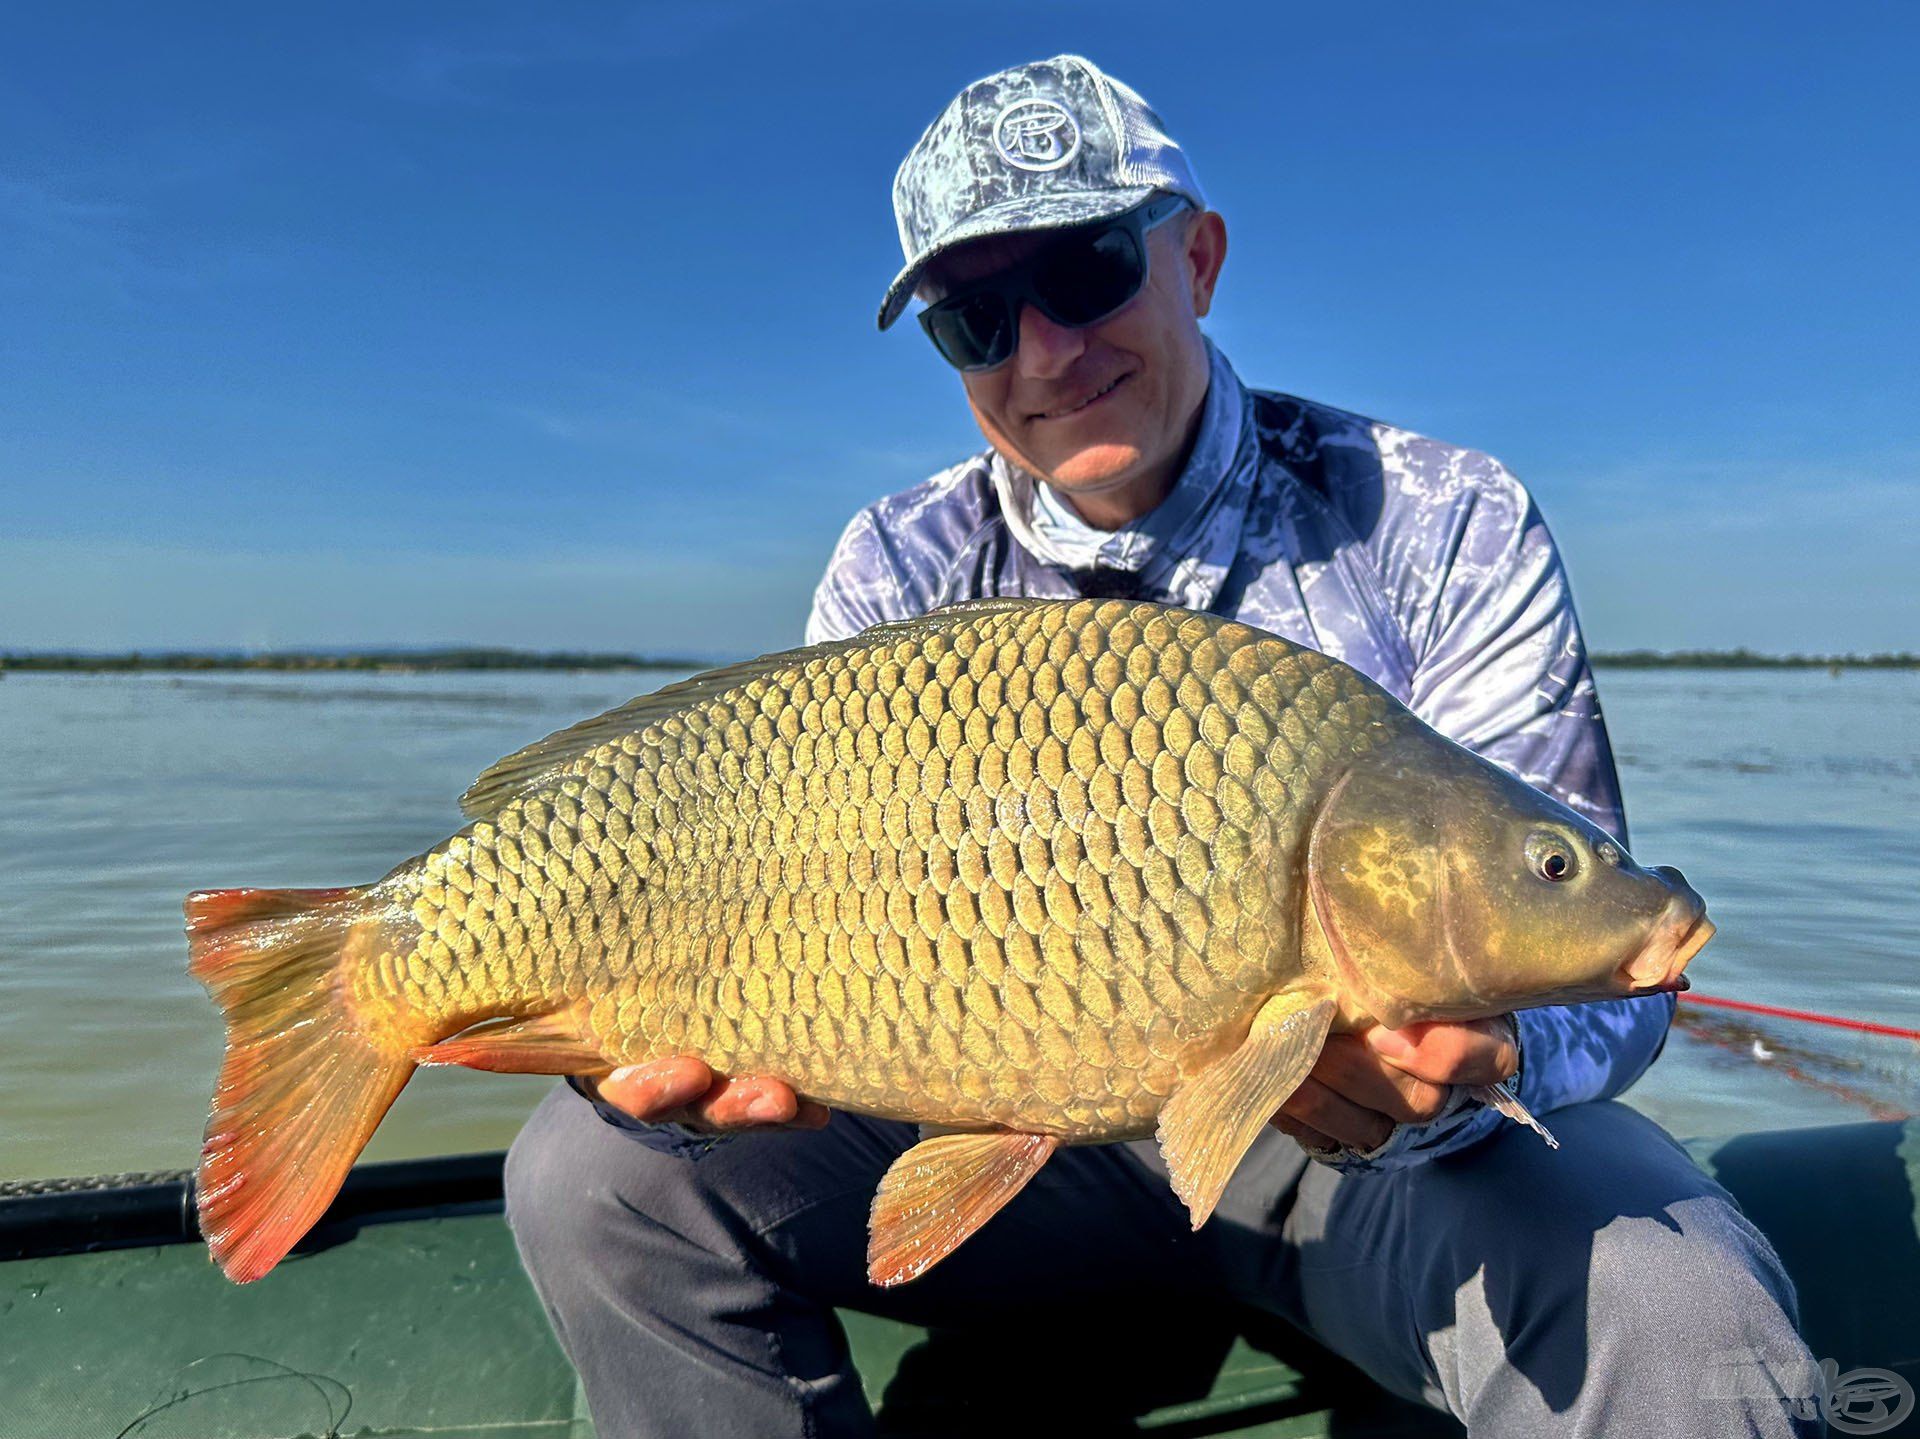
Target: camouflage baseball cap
[(1037, 147)]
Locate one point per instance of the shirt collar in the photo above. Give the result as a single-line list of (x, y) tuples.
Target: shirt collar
[(1186, 544)]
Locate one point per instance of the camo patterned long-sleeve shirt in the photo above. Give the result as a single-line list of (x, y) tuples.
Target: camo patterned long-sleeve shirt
[(1424, 565)]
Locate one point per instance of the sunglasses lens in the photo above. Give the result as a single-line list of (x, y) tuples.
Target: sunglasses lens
[(1078, 284), (973, 333), (1077, 281)]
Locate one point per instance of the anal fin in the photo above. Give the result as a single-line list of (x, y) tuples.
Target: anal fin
[(942, 1190), (1213, 1118), (556, 1043)]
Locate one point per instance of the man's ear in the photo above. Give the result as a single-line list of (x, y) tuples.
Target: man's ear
[(1206, 249)]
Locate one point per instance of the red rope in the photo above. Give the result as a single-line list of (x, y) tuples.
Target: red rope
[(1864, 1025)]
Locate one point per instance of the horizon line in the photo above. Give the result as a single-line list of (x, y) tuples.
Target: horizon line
[(449, 658)]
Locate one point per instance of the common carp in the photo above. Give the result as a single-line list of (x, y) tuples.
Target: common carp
[(1030, 873)]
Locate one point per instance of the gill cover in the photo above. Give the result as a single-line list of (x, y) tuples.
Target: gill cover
[(1448, 889)]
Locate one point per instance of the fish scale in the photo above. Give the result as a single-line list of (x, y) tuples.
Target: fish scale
[(1003, 866)]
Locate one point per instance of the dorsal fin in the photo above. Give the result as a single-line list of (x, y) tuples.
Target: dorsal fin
[(526, 770), (544, 761)]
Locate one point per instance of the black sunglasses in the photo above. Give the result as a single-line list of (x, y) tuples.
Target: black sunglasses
[(1078, 280)]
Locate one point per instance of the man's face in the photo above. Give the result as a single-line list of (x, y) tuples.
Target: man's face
[(1094, 410)]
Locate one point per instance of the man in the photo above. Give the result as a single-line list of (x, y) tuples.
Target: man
[(1066, 257)]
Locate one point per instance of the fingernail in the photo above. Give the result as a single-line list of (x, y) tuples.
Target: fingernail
[(766, 1110)]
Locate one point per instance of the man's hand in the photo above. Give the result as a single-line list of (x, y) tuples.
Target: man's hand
[(1368, 1081), (685, 1091)]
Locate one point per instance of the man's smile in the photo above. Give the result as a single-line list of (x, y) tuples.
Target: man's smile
[(1074, 408)]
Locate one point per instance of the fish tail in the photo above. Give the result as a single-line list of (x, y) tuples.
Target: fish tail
[(303, 1082)]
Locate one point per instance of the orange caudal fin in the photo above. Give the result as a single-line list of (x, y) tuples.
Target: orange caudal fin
[(302, 1085)]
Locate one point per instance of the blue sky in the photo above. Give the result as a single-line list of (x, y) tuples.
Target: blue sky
[(553, 326)]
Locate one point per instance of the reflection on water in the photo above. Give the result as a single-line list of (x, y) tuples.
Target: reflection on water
[(1867, 1073), (1792, 800)]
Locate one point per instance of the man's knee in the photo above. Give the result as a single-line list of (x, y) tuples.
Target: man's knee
[(577, 1187), (1694, 1280), (542, 1182), (1612, 1261), (1651, 1227), (1704, 1301), (1671, 1264)]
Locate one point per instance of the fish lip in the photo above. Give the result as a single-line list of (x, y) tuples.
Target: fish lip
[(1683, 932)]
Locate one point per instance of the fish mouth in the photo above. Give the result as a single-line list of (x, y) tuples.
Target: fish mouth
[(1681, 932)]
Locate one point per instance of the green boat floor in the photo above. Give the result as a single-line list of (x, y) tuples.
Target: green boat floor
[(427, 1326), (409, 1328)]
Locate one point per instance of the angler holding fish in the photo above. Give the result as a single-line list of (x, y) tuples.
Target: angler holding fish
[(1146, 796)]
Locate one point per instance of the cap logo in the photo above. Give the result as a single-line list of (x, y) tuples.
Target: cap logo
[(1036, 135)]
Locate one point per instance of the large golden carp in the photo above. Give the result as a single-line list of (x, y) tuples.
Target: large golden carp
[(1036, 872)]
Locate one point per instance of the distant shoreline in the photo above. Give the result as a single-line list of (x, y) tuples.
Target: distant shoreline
[(372, 661), (1748, 660), (470, 660)]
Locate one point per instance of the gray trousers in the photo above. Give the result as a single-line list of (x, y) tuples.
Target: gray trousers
[(1594, 1290)]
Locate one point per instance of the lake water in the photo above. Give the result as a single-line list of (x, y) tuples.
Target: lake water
[(1791, 799)]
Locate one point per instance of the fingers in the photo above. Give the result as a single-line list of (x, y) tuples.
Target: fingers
[(685, 1091), (744, 1102), (1305, 1134), (1356, 1095), (652, 1092), (1474, 1051), (1336, 1116), (1349, 1066)]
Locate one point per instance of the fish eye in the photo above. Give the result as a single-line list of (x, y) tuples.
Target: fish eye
[(1551, 857)]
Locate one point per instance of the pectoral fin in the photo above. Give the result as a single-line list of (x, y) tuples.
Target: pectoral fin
[(1214, 1117), (940, 1191), (556, 1043), (1508, 1103)]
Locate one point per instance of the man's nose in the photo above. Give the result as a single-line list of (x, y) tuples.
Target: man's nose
[(1046, 350)]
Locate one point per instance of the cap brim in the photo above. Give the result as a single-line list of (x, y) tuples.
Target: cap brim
[(1012, 217)]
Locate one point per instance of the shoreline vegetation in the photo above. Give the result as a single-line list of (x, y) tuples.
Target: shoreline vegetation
[(427, 661)]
